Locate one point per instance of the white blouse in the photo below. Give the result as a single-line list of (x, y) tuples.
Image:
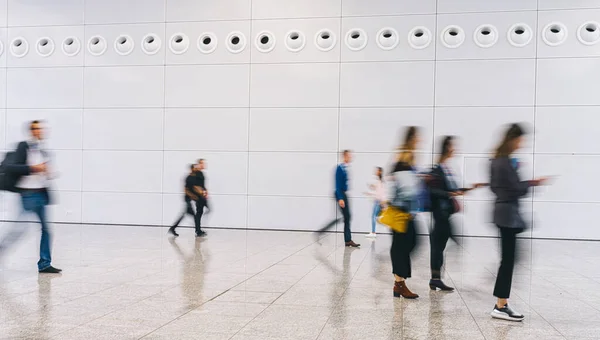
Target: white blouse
[(377, 190)]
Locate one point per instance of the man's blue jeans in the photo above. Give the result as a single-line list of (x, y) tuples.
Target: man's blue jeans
[(36, 202)]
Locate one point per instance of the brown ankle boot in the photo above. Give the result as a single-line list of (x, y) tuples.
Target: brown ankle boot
[(400, 289)]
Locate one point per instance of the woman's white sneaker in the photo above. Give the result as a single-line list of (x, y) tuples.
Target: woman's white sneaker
[(372, 235), (506, 313)]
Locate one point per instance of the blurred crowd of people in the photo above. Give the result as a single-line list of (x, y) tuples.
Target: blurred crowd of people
[(398, 197), (406, 191)]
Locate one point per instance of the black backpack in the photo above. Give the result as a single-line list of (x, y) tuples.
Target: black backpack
[(8, 180)]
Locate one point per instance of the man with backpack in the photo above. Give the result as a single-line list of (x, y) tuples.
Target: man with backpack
[(26, 171)]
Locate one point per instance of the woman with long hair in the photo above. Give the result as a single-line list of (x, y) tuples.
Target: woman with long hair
[(508, 188), (404, 190), (377, 192), (443, 191)]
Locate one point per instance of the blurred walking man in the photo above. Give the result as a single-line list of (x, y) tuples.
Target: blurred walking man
[(341, 189), (28, 170), (191, 195)]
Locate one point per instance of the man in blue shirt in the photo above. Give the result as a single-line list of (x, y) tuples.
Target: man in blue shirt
[(341, 189)]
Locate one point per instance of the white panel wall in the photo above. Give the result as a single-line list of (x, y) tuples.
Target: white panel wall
[(271, 119)]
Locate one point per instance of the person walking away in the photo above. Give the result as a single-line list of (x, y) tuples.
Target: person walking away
[(29, 169), (377, 192), (508, 189)]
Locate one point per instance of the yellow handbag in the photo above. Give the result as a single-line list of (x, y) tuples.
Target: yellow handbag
[(395, 219)]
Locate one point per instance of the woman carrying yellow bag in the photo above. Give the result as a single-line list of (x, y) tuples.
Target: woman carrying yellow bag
[(395, 219), (398, 216)]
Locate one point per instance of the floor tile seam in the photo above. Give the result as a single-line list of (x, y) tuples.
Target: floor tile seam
[(203, 303), (254, 275), (123, 284), (273, 302), (262, 250), (463, 251), (85, 323), (571, 295), (271, 266), (117, 309), (58, 333), (33, 312), (171, 321), (75, 299), (548, 322), (459, 293), (470, 312)]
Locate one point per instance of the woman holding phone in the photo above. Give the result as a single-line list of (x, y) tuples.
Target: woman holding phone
[(508, 188), (443, 192)]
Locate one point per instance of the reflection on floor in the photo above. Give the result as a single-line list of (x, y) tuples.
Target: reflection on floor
[(136, 283)]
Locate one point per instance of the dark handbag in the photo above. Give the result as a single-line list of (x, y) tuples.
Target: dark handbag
[(456, 208)]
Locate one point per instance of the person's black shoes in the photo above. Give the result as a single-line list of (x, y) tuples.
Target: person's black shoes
[(51, 270), (174, 233), (506, 313), (439, 284), (352, 244)]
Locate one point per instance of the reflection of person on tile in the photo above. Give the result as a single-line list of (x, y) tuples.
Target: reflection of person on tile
[(343, 281), (193, 266), (377, 264), (436, 317), (341, 195), (44, 295), (338, 293)]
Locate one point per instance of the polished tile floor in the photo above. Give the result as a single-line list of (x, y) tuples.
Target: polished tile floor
[(137, 283)]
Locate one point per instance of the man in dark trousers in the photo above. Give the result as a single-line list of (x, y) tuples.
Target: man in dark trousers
[(29, 172), (202, 200), (341, 189), (191, 194)]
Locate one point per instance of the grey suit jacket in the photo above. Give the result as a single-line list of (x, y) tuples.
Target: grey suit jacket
[(509, 188)]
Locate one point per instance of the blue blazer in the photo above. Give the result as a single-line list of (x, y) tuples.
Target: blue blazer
[(341, 182)]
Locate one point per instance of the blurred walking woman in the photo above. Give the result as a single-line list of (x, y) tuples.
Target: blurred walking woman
[(444, 190), (404, 186), (508, 188), (377, 192)]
